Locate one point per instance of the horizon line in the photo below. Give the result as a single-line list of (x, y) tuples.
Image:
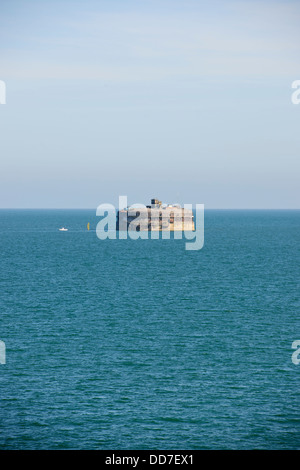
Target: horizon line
[(208, 208)]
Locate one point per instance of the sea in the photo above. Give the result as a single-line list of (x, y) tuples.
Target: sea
[(142, 344)]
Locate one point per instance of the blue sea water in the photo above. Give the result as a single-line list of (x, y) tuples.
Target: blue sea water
[(140, 344)]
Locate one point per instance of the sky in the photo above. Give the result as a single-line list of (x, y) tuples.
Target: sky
[(187, 101)]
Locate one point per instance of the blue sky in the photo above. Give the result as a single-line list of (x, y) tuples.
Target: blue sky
[(188, 101)]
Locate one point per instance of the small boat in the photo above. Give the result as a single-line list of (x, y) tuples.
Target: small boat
[(63, 229)]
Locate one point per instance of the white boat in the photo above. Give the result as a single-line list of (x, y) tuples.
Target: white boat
[(63, 229)]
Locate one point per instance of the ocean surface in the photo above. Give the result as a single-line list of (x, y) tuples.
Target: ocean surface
[(140, 344)]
